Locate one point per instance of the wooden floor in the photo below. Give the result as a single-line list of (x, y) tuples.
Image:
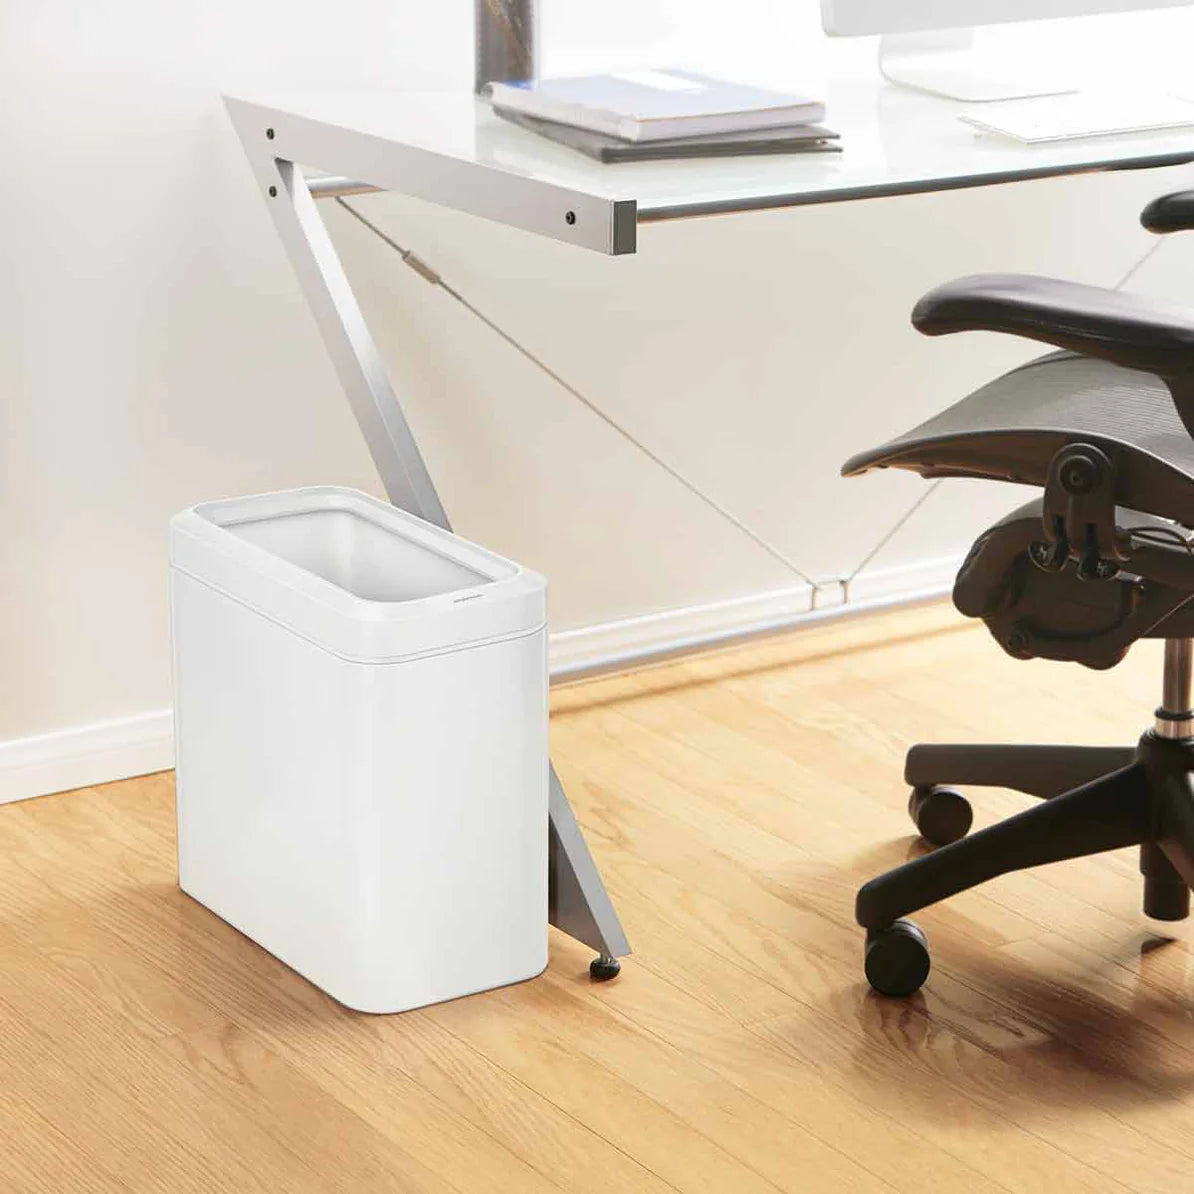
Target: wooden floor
[(734, 803)]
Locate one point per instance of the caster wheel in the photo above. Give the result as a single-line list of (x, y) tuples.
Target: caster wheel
[(942, 815), (897, 959), (603, 968)]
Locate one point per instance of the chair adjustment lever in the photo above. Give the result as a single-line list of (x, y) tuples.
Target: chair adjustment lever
[(1170, 564), (1078, 516)]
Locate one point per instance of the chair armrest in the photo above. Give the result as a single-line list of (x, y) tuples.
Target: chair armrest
[(1127, 329), (1170, 213)]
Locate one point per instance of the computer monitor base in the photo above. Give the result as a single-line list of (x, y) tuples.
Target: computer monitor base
[(944, 62)]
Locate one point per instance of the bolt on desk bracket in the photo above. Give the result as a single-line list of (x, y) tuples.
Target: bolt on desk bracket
[(578, 902)]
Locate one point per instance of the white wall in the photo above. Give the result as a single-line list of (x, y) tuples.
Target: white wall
[(155, 351)]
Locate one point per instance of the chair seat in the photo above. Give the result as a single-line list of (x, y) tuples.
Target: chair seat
[(1010, 429)]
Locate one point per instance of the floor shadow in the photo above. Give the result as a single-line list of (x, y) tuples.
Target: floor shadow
[(1016, 1015), (1004, 1030)]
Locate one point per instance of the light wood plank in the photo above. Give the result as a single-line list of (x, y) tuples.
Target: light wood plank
[(734, 801)]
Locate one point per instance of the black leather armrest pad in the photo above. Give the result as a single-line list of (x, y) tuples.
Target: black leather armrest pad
[(1126, 329), (1170, 213)]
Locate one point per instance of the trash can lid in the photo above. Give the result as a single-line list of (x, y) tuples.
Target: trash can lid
[(357, 576)]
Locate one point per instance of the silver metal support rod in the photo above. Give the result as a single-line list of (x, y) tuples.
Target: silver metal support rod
[(578, 903), (1175, 719), (354, 355), (1179, 672), (507, 41)]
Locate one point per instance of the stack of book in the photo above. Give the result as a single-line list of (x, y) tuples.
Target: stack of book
[(652, 114)]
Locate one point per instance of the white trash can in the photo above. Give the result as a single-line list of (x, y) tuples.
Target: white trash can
[(361, 734)]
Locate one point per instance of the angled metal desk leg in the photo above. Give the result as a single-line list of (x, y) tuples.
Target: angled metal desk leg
[(577, 900)]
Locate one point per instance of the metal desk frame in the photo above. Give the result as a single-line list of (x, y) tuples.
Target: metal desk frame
[(902, 145)]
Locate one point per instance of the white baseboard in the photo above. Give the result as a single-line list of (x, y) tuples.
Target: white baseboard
[(590, 649), (81, 756), (883, 584)]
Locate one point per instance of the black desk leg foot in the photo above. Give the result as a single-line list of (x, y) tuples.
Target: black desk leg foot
[(604, 967)]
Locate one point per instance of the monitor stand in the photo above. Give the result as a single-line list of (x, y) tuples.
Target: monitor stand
[(944, 62)]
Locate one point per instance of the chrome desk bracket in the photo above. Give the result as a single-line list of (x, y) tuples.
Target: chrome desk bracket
[(578, 903)]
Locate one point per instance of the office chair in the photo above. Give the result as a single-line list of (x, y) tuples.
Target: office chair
[(1105, 427)]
